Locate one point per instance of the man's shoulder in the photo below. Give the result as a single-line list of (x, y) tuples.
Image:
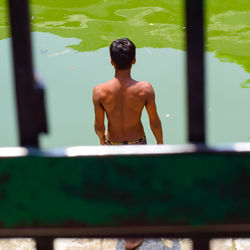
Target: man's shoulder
[(103, 86), (100, 86), (144, 85), (101, 90)]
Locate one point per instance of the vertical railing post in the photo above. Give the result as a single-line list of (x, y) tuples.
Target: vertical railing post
[(44, 243), (29, 94), (195, 70), (200, 244)]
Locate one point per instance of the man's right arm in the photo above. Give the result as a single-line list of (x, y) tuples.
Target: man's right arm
[(99, 115), (155, 122)]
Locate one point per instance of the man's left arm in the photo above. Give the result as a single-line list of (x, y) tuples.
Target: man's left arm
[(155, 122), (99, 116)]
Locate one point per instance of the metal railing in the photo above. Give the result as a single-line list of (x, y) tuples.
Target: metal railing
[(182, 191), (32, 121)]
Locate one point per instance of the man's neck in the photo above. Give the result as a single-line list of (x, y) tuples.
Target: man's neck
[(123, 74)]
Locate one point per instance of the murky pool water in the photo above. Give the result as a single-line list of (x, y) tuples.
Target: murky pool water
[(70, 45)]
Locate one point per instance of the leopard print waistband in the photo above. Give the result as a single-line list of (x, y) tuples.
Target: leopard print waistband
[(128, 142)]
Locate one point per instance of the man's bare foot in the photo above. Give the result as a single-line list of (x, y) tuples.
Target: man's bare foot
[(131, 244)]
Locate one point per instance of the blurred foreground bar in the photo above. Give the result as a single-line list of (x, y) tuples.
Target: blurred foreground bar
[(195, 70), (29, 93)]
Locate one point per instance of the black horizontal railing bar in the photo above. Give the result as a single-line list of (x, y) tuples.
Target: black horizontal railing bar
[(171, 231), (195, 70)]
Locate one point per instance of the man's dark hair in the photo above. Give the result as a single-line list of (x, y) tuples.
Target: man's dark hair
[(122, 52)]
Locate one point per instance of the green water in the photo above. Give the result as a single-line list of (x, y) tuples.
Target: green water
[(70, 46)]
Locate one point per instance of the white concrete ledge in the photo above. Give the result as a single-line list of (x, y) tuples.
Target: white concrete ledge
[(13, 152), (84, 151), (129, 150)]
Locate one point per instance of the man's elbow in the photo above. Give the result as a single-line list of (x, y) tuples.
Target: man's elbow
[(99, 128), (155, 123)]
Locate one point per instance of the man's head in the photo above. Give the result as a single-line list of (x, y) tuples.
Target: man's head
[(122, 52)]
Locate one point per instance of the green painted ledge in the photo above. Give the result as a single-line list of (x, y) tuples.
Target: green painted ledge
[(189, 189)]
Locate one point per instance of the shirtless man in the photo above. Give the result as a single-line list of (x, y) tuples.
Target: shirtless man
[(123, 99)]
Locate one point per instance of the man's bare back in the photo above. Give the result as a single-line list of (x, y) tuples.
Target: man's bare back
[(123, 103), (123, 99)]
